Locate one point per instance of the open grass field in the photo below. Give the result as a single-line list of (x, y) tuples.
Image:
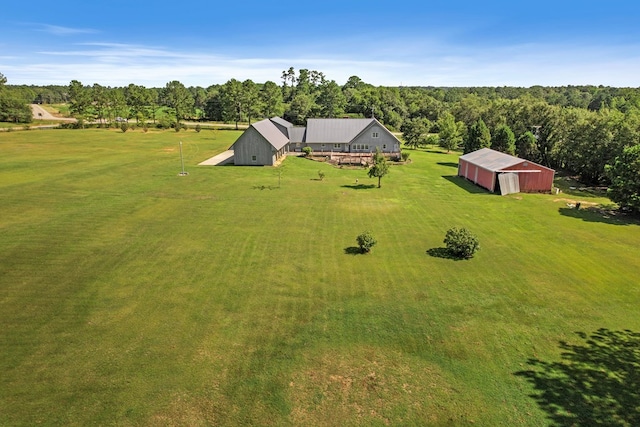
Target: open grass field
[(132, 296)]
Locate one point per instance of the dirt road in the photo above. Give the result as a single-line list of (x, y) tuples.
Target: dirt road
[(40, 113)]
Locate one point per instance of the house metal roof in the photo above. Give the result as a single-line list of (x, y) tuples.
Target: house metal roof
[(491, 160), (271, 133), (335, 130), (281, 122), (296, 134)]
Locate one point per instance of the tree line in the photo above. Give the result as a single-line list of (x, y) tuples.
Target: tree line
[(579, 129)]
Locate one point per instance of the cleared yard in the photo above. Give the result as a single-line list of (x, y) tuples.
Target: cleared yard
[(132, 296)]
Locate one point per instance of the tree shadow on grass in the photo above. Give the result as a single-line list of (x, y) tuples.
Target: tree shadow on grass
[(594, 214), (443, 253), (466, 185), (597, 383), (352, 250), (264, 187), (450, 164), (360, 186)]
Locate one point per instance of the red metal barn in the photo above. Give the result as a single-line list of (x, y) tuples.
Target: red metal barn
[(498, 171)]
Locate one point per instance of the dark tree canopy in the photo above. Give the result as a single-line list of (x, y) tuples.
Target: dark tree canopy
[(624, 174)]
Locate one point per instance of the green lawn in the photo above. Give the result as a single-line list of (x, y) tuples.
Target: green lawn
[(132, 296)]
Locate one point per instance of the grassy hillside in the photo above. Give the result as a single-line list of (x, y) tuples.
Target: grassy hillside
[(132, 296)]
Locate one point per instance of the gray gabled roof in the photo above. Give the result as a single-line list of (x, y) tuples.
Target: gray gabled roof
[(334, 130), (296, 134), (281, 122), (491, 160), (271, 133)]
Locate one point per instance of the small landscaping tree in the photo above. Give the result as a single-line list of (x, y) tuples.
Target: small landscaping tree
[(307, 151), (461, 243), (321, 175), (380, 166), (366, 241)]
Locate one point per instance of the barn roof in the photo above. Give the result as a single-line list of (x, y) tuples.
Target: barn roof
[(491, 160), (271, 133), (335, 130)]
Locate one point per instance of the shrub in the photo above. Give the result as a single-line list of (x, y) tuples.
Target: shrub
[(321, 175), (461, 243), (307, 151), (124, 127), (366, 241), (198, 127), (405, 156)]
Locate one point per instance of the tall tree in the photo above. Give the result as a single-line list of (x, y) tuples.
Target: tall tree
[(12, 108), (331, 100), (624, 174), (250, 99), (80, 98), (271, 100), (288, 76), (414, 131), (504, 140), (380, 166), (300, 108), (527, 146), (177, 97), (450, 132), (478, 137), (100, 100), (138, 99), (231, 97)]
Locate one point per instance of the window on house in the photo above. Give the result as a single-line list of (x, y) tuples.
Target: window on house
[(254, 159), (336, 145), (384, 146), (375, 135)]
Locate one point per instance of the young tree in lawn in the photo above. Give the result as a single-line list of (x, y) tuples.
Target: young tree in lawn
[(380, 166), (478, 137), (461, 243), (177, 97), (624, 174), (366, 241), (504, 140)]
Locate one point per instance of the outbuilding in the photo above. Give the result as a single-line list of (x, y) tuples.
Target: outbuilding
[(500, 172)]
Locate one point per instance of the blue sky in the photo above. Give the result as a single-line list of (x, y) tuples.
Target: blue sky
[(390, 43)]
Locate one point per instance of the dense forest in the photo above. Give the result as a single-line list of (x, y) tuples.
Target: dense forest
[(578, 129)]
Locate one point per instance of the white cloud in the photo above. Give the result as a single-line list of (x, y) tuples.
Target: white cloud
[(64, 31), (419, 64)]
